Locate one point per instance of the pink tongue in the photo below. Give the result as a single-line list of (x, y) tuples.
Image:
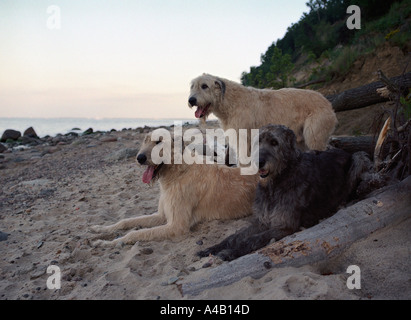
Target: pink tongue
[(148, 174), (198, 113)]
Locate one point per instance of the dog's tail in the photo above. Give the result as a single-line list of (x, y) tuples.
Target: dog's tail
[(360, 165)]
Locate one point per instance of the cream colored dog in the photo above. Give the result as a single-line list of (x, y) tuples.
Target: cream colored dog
[(188, 194), (308, 113)]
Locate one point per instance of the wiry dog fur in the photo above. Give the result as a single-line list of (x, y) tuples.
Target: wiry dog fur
[(188, 194), (296, 190), (308, 113)]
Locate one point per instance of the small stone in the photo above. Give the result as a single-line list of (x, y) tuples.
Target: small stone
[(88, 131), (108, 139), (122, 154), (199, 242), (2, 148), (38, 272), (146, 251), (181, 274), (172, 280), (3, 236), (65, 232)]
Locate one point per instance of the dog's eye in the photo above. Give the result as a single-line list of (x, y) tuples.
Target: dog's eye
[(274, 142), (204, 86)]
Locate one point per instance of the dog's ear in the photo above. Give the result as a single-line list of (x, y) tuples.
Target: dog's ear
[(292, 140), (291, 137), (221, 85)]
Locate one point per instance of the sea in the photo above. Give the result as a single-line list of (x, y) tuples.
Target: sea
[(54, 126)]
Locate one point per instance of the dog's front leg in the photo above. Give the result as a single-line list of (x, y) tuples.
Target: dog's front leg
[(178, 223), (253, 242), (232, 242), (152, 220), (245, 241), (158, 233)]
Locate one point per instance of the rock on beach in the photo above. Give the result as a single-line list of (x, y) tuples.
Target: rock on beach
[(10, 134), (2, 148), (29, 132)]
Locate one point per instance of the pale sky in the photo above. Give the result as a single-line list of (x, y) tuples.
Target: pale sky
[(119, 59)]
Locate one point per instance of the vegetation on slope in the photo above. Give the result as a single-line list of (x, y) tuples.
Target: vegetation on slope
[(322, 36)]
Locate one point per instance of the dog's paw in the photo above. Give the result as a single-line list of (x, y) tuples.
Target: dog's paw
[(117, 243), (99, 229), (226, 255), (103, 244), (204, 253)]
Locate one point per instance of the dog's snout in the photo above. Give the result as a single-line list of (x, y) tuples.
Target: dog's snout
[(192, 101), (141, 158), (261, 163)]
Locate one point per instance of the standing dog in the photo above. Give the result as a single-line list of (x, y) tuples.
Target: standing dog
[(308, 113), (296, 190), (188, 194)]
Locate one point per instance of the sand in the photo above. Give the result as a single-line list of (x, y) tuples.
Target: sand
[(51, 195)]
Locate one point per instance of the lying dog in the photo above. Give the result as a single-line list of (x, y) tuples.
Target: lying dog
[(296, 190), (188, 194)]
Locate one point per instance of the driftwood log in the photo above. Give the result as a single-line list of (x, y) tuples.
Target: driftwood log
[(323, 241), (366, 95), (354, 144)]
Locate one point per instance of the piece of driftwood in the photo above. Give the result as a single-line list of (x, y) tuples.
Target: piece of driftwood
[(354, 144), (381, 138), (395, 163), (323, 241), (366, 95)]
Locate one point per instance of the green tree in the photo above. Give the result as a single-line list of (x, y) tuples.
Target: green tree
[(280, 69)]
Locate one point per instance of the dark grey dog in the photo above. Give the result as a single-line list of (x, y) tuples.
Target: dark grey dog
[(296, 189)]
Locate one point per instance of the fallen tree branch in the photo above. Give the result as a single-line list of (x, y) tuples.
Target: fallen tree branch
[(399, 135), (366, 95), (404, 126), (392, 87), (354, 144), (323, 241)]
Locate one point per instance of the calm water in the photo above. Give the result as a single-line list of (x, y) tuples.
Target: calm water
[(53, 126)]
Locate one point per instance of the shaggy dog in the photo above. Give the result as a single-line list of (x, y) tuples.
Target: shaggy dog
[(306, 112), (296, 190), (188, 194)]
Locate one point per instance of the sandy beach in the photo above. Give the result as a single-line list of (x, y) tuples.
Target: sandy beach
[(51, 194)]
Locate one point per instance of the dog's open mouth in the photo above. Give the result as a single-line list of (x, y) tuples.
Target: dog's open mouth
[(263, 173), (151, 172), (202, 111)]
